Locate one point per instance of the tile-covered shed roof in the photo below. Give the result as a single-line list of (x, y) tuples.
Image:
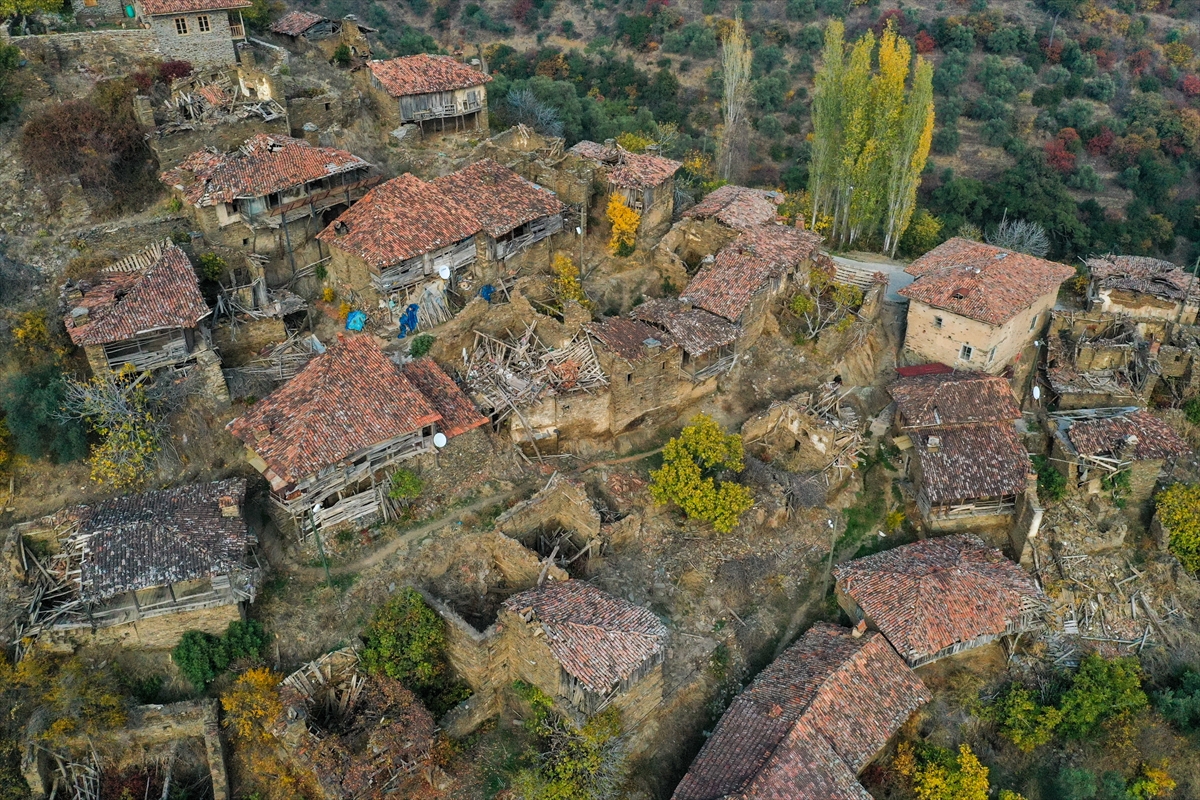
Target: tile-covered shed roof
[(971, 462), (161, 293), (398, 220), (953, 398), (808, 723), (629, 170), (628, 338), (425, 74), (346, 400), (1107, 436), (501, 199), (929, 595), (295, 22), (140, 541), (1146, 275), (597, 638), (694, 329), (981, 281), (266, 163), (459, 414), (738, 206)]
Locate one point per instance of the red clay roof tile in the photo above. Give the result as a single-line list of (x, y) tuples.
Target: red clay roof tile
[(953, 398), (295, 22), (1144, 275), (694, 329), (155, 8), (971, 462), (502, 199), (980, 281), (398, 220), (738, 206), (124, 305), (929, 595), (628, 338), (459, 414), (1105, 437), (424, 74)]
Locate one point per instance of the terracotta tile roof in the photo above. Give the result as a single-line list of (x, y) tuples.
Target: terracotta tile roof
[(738, 206), (296, 22), (124, 305), (809, 722), (695, 330), (1105, 437), (139, 541), (627, 338), (595, 151), (264, 164), (398, 220), (953, 398), (971, 462), (641, 171), (502, 199), (349, 398), (1145, 275), (931, 594), (459, 414), (746, 266), (981, 281), (597, 638), (424, 74), (155, 8)]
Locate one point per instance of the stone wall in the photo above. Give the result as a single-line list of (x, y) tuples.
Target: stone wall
[(563, 502), (152, 633), (171, 148), (937, 335), (99, 10), (110, 52), (202, 49)]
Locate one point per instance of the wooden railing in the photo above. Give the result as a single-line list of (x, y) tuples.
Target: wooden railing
[(236, 30)]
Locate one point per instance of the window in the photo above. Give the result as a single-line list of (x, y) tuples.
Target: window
[(937, 322), (629, 377), (1033, 322), (181, 26), (202, 23), (966, 353), (992, 355)]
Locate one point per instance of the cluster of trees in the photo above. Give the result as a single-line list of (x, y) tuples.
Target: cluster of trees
[(203, 657), (1178, 509), (871, 136)]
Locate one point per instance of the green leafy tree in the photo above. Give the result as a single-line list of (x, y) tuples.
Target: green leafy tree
[(201, 657), (1181, 705), (32, 399), (406, 485), (1178, 508), (421, 344), (1052, 484), (688, 477), (211, 267), (1022, 720), (1103, 693)]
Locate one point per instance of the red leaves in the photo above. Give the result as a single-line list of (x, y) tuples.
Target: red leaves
[(172, 70), (1100, 144), (924, 42), (1060, 152), (1190, 85)]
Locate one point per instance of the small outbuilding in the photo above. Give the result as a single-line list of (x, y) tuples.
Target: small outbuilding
[(937, 597), (738, 207), (645, 181), (1143, 287), (433, 92)]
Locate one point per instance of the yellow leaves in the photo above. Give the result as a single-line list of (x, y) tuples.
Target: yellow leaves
[(327, 294), (625, 222), (1178, 53), (31, 331), (1151, 781), (634, 142), (252, 704), (567, 287), (702, 447), (1178, 508), (963, 779)]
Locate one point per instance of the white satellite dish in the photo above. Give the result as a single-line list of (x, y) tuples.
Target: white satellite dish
[(1037, 393), (444, 273), (439, 440)]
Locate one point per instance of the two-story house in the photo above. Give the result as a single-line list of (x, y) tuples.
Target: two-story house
[(201, 32), (645, 181), (976, 306), (433, 92)]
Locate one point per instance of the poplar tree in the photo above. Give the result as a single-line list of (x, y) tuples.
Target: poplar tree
[(871, 135), (736, 61)]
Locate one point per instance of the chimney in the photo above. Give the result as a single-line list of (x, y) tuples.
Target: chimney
[(79, 316), (229, 507), (859, 629), (1128, 451), (799, 222), (933, 443)]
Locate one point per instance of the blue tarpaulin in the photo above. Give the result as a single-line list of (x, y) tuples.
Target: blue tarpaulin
[(356, 320), (486, 292), (408, 321)]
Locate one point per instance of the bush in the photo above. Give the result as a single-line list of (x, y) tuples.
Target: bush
[(211, 267), (1192, 410), (173, 70), (202, 657), (421, 344), (341, 55), (1181, 705), (1052, 484), (1178, 509), (10, 62), (406, 485), (32, 400), (945, 140), (1022, 720), (688, 477), (1103, 693)]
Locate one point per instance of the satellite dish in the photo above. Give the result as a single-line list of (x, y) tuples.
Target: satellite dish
[(444, 273), (439, 439), (1037, 393)]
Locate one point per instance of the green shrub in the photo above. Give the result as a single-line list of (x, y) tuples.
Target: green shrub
[(211, 266), (31, 400), (1192, 409), (1102, 692), (1181, 705), (1052, 484), (1022, 720), (201, 657), (341, 55), (244, 640), (421, 344), (406, 485)]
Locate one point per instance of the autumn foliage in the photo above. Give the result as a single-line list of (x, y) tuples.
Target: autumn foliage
[(625, 222), (688, 478)]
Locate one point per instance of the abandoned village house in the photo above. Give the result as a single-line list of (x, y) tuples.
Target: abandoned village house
[(272, 195), (969, 466), (708, 342), (144, 312), (200, 32), (305, 31), (937, 597), (1142, 287), (431, 92), (141, 569), (645, 181), (737, 207), (977, 306), (1091, 447), (809, 723), (328, 440)]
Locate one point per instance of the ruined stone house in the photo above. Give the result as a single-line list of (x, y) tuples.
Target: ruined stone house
[(306, 31), (743, 281), (93, 11), (977, 306), (810, 723), (141, 569), (937, 597), (708, 342), (144, 312), (1092, 446), (968, 465), (272, 195), (542, 160), (645, 181), (431, 92), (200, 32), (1143, 288), (328, 440), (737, 207)]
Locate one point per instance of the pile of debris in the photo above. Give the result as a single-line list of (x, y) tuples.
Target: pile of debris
[(274, 367), (504, 376), (213, 98)]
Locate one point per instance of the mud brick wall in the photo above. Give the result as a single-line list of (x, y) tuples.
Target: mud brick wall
[(153, 633), (563, 502), (173, 148)]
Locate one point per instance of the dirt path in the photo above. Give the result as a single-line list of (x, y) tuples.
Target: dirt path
[(276, 556)]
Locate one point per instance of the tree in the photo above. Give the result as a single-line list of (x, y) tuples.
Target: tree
[(406, 485), (252, 705), (120, 411), (736, 64), (688, 477), (31, 399), (625, 222), (1178, 509), (19, 9), (567, 288), (1181, 705), (934, 773), (1022, 236), (421, 344), (871, 135), (201, 656), (826, 303), (1103, 693), (1022, 720)]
